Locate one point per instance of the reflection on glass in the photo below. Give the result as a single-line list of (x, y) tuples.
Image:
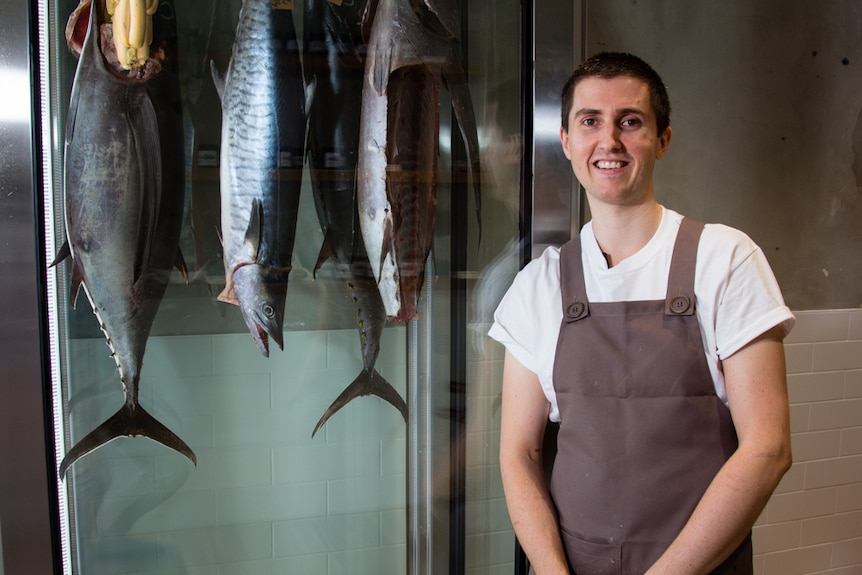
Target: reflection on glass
[(266, 496)]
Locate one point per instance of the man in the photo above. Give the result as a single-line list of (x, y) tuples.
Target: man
[(657, 343)]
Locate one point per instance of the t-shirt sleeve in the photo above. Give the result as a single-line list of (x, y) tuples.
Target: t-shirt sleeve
[(509, 326), (525, 313), (750, 301)]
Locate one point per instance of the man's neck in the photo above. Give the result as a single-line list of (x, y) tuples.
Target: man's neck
[(621, 231)]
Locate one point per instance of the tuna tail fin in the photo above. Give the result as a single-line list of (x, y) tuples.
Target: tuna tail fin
[(130, 421), (368, 382)]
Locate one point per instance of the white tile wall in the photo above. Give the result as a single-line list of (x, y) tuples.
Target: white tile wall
[(265, 498), (813, 523)]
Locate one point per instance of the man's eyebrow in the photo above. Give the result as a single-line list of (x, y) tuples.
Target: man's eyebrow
[(587, 112), (620, 112)]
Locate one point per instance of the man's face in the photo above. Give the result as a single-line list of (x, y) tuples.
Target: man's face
[(612, 141)]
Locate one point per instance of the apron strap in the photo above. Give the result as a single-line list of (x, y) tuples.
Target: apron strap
[(572, 285), (680, 282), (679, 299)]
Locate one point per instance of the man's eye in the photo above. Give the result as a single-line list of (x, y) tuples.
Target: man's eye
[(589, 122), (631, 123)]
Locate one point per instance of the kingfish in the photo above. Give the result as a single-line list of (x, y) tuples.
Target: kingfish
[(413, 49), (123, 187), (333, 66), (263, 132)]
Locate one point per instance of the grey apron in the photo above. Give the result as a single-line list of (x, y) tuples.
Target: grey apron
[(642, 430)]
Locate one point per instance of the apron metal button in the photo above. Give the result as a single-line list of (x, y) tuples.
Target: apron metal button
[(680, 304)]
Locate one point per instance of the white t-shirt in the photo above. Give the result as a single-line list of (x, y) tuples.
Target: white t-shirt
[(737, 296)]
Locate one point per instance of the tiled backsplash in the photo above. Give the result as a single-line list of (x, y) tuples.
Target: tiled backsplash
[(265, 498), (813, 523)]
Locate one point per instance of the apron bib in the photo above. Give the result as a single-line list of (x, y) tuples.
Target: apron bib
[(642, 431)]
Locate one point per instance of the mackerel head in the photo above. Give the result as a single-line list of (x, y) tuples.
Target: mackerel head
[(263, 132)]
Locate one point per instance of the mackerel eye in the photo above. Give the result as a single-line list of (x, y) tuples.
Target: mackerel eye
[(268, 310)]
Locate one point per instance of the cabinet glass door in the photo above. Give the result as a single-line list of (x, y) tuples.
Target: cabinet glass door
[(219, 148)]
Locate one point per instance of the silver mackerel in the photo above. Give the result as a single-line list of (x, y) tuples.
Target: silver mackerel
[(263, 132)]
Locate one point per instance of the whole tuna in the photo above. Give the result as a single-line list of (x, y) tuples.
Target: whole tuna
[(333, 63), (123, 191), (263, 133), (413, 49)]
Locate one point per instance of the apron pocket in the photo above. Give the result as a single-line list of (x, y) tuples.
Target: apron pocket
[(587, 558)]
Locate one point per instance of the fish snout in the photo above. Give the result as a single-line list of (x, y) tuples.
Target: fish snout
[(261, 294)]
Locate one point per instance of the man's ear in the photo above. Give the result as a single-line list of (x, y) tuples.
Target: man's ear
[(564, 141), (663, 143)]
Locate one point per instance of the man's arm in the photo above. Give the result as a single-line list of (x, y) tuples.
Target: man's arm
[(524, 417), (757, 394)]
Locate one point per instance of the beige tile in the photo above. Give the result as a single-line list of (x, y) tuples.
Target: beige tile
[(799, 357), (801, 505), (848, 498), (793, 480), (800, 417), (820, 386), (798, 561), (837, 355), (836, 414), (826, 325), (846, 553), (851, 442), (777, 536), (833, 472), (816, 445), (853, 384), (855, 331), (838, 527), (758, 564)]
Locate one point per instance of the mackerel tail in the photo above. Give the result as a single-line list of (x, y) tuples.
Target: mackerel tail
[(368, 382), (130, 421)]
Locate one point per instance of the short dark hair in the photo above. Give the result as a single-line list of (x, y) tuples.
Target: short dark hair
[(612, 65)]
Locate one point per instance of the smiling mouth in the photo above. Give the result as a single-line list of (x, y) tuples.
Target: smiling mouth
[(609, 165)]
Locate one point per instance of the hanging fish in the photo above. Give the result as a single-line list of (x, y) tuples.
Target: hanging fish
[(333, 63), (123, 187), (263, 133), (413, 49)]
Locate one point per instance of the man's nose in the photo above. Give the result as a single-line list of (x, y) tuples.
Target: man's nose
[(609, 137)]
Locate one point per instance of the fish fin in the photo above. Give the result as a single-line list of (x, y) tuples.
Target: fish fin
[(64, 252), (327, 250), (387, 246), (130, 421), (145, 129), (180, 264), (218, 80), (459, 89), (368, 382), (381, 70), (228, 295), (75, 283), (255, 223), (435, 17)]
